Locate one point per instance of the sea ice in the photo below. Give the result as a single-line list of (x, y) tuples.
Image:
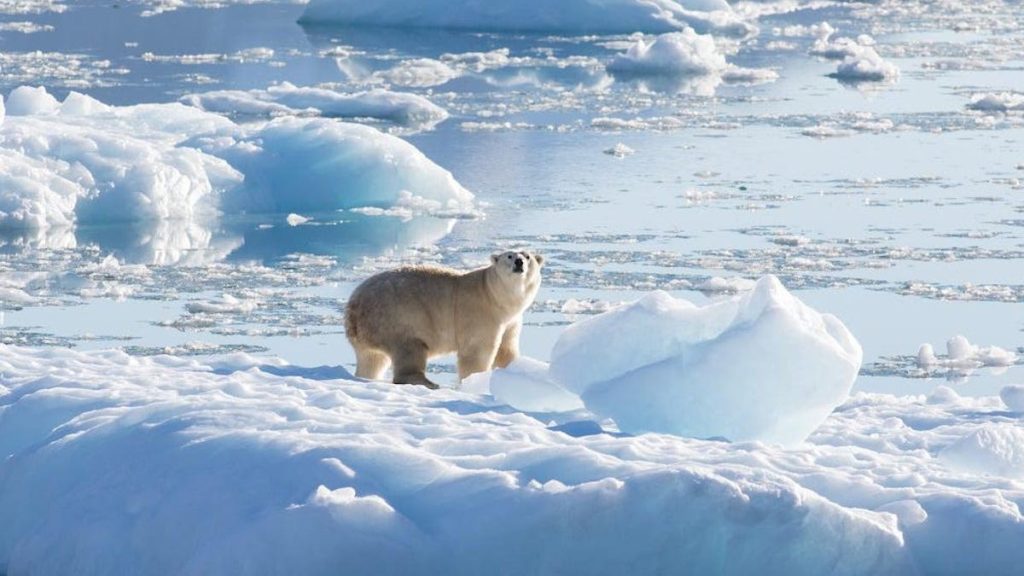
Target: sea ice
[(288, 99), (962, 355), (683, 54), (997, 102), (83, 161), (243, 464), (761, 366)]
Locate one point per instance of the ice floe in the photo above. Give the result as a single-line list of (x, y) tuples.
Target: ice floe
[(288, 99), (683, 54), (83, 161), (215, 466), (997, 102)]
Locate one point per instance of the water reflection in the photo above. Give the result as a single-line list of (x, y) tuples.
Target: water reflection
[(344, 236)]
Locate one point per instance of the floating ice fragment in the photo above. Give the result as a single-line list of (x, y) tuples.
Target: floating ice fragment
[(1013, 397), (762, 366), (997, 102), (620, 150), (294, 219)]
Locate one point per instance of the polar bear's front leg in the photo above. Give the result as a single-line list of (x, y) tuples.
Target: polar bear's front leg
[(476, 353), (508, 350)]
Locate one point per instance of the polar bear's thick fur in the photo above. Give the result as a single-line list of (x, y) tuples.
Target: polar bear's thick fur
[(409, 315)]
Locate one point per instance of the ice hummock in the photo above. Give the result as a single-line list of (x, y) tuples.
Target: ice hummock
[(563, 16), (761, 366), (240, 464), (164, 465), (82, 161)]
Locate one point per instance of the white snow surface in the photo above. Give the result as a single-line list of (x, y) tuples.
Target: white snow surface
[(562, 16), (760, 366), (81, 161), (118, 464)]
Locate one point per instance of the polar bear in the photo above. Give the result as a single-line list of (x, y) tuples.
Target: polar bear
[(411, 314)]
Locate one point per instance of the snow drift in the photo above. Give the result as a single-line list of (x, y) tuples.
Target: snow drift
[(81, 161), (564, 16), (761, 366)]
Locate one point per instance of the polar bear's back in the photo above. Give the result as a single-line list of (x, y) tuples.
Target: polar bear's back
[(414, 301)]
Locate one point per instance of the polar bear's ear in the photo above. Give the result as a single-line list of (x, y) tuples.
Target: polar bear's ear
[(494, 258), (539, 259)]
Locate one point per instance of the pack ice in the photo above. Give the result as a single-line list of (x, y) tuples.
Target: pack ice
[(761, 366), (82, 161)]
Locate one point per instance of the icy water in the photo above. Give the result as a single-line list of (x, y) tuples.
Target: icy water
[(891, 204)]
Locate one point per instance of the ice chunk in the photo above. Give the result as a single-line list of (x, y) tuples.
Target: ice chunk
[(683, 52), (995, 449), (762, 366), (526, 385), (864, 64), (997, 102), (566, 16), (620, 150), (681, 55), (962, 355), (1013, 397), (31, 101), (83, 161), (310, 165), (286, 98)]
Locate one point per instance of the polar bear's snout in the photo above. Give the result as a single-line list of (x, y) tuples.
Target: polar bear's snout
[(518, 265)]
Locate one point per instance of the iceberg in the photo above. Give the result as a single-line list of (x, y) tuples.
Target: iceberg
[(81, 161), (761, 366)]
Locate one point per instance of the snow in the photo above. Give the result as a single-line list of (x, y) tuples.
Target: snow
[(82, 161), (288, 99), (163, 465), (761, 366), (565, 16), (996, 449)]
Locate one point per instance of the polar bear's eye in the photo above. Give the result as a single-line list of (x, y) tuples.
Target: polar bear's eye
[(527, 256), (509, 256)]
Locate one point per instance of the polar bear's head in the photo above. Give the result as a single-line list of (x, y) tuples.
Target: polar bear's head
[(522, 264)]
